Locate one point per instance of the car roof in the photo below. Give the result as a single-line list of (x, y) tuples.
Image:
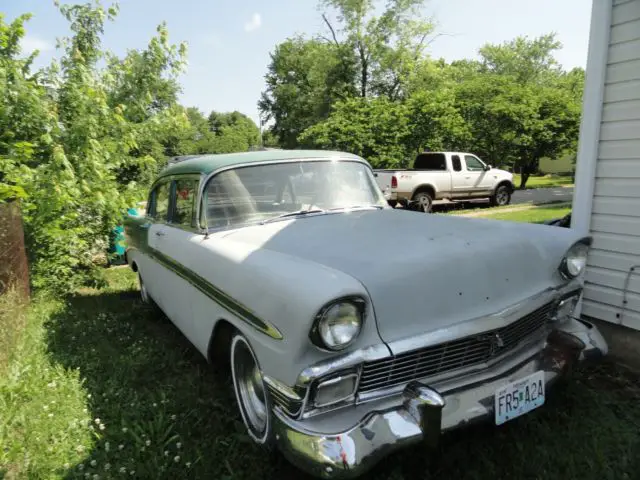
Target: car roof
[(208, 163)]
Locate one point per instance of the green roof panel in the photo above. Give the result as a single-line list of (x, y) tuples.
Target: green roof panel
[(208, 163)]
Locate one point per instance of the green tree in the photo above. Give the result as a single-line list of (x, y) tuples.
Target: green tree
[(304, 79), (84, 148), (386, 46), (375, 128)]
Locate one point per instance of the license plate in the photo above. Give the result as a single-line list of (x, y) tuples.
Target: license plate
[(519, 397)]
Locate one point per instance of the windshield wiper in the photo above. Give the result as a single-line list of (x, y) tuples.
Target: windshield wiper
[(293, 214), (355, 207)]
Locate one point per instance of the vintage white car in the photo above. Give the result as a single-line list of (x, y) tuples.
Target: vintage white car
[(353, 329)]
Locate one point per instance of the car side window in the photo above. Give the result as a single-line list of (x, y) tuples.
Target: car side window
[(184, 202), (473, 164), (455, 161), (160, 202)]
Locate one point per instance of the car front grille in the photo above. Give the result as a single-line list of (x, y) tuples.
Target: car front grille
[(450, 356)]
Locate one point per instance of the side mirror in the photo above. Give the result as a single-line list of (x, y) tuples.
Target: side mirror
[(487, 168)]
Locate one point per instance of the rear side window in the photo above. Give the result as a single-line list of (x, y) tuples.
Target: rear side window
[(160, 202), (183, 206), (457, 164), (430, 161)]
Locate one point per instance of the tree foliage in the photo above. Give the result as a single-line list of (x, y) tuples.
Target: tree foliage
[(513, 106), (85, 146)]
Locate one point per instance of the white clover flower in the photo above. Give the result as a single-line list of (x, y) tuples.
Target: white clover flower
[(166, 453), (173, 417), (88, 395), (107, 466), (188, 464), (176, 458), (102, 426), (122, 470), (124, 429), (97, 420), (45, 407), (93, 463), (50, 415), (81, 466), (107, 446), (120, 447), (66, 465), (178, 445), (132, 472), (148, 443), (155, 404), (80, 448)]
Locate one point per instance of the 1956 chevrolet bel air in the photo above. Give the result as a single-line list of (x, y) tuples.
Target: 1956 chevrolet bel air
[(353, 329)]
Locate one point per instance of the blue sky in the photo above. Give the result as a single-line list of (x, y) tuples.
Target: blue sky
[(229, 42)]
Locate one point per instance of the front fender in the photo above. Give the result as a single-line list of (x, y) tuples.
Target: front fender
[(284, 292)]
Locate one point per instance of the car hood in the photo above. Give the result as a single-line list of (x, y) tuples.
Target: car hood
[(423, 272)]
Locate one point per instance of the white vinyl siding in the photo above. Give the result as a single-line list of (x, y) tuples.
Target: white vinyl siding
[(615, 211)]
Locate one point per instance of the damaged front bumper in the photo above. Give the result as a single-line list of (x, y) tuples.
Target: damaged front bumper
[(423, 412)]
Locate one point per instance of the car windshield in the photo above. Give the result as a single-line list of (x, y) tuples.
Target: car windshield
[(280, 190)]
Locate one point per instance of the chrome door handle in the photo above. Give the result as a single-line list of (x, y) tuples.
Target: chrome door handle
[(160, 234)]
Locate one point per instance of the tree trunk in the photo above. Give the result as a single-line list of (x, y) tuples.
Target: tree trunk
[(364, 73), (526, 171)]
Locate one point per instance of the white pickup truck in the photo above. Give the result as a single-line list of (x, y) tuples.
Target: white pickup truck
[(453, 176)]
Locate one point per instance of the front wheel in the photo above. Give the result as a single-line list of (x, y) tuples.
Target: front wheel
[(424, 201), (250, 390), (501, 197)]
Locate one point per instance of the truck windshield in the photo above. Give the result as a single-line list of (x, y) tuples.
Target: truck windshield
[(430, 161), (259, 193)]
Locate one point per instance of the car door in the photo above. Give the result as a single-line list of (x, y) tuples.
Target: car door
[(475, 176), (458, 181), (177, 250), (154, 272)]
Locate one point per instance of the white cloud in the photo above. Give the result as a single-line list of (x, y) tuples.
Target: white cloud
[(30, 43), (254, 23)]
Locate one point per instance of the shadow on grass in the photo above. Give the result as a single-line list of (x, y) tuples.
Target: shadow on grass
[(166, 414)]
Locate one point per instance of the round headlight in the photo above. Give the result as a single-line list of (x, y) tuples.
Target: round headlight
[(575, 260), (339, 325)]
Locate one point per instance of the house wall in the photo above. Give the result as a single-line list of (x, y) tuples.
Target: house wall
[(612, 214)]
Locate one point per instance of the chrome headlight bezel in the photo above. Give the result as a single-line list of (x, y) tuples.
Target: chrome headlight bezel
[(579, 250), (317, 334)]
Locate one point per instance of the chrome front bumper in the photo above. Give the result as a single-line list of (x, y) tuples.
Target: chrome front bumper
[(424, 412)]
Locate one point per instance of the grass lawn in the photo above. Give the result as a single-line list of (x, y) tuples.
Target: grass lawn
[(544, 182), (530, 215), (101, 385)]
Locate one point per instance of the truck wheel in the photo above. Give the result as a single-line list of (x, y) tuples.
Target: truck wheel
[(501, 197), (424, 201), (251, 392)]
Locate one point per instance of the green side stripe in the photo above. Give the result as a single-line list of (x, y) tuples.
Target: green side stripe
[(217, 295)]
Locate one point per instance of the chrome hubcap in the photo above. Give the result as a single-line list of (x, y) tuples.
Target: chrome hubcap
[(250, 389), (502, 197)]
